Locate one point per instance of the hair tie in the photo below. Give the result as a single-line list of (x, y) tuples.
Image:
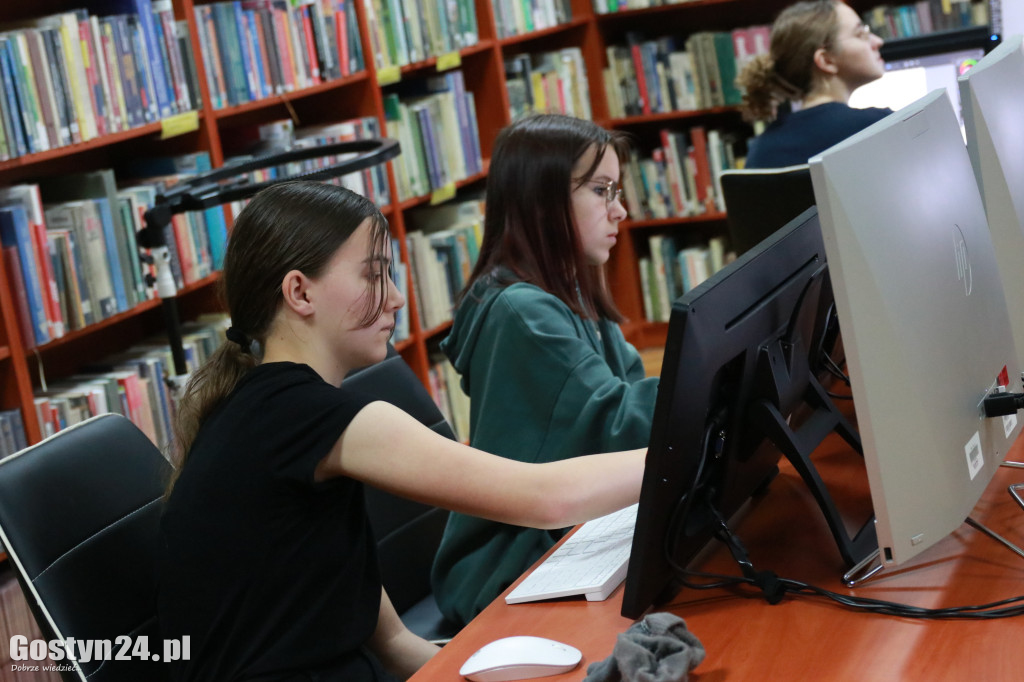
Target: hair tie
[(235, 336)]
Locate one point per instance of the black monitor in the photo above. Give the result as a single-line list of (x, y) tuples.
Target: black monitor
[(734, 381)]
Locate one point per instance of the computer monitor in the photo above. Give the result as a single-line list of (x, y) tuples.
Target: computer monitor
[(735, 373), (907, 79), (993, 105), (925, 324)]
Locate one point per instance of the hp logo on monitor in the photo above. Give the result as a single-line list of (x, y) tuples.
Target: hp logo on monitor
[(963, 262)]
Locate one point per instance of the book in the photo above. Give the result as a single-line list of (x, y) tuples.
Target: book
[(15, 232)]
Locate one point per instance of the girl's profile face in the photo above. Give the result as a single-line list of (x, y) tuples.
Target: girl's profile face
[(856, 49), (350, 285), (597, 206)]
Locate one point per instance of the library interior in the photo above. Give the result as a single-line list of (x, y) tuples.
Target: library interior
[(833, 481)]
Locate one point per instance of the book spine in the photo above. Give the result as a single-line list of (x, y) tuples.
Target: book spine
[(17, 286), (134, 107), (14, 231), (16, 126), (44, 87), (72, 48), (147, 27), (95, 88)]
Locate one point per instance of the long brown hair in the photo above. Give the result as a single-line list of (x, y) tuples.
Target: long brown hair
[(528, 225), (290, 226), (787, 71)]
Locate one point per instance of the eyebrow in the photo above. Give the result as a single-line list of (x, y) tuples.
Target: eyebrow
[(377, 259)]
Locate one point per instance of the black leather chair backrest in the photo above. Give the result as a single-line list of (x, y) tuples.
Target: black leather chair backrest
[(408, 533), (759, 201), (79, 516)]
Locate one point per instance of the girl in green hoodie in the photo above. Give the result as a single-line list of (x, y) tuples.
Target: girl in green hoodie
[(536, 338)]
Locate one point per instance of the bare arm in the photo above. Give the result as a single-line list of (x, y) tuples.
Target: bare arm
[(385, 447), (400, 651)]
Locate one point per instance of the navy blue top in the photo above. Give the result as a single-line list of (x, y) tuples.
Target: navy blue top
[(794, 138)]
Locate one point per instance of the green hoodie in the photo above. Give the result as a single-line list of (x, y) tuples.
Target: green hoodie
[(544, 385)]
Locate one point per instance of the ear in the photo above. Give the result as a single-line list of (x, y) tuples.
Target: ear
[(295, 289), (825, 62)]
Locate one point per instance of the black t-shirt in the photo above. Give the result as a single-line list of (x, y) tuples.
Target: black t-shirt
[(269, 573), (794, 138)]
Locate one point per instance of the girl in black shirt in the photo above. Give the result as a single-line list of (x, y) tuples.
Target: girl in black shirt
[(269, 565)]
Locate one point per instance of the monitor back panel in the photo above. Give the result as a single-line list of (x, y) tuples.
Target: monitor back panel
[(923, 316), (993, 99)]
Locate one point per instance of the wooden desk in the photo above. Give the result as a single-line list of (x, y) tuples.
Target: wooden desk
[(806, 638)]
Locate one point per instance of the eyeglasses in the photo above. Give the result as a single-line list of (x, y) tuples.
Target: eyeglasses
[(611, 191), (862, 32)]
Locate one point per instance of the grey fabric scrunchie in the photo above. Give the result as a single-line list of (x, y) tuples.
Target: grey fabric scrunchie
[(659, 648)]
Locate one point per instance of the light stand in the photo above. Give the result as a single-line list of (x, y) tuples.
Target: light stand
[(228, 184)]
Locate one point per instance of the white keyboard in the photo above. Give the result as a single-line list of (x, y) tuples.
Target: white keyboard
[(591, 562)]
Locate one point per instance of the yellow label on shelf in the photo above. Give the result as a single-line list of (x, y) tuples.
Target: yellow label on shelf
[(449, 61), (389, 75), (179, 124), (442, 194)]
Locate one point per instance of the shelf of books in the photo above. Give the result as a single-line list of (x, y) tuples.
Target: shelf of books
[(106, 103)]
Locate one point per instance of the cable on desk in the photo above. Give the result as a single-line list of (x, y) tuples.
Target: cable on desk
[(773, 588), (770, 585), (1013, 606)]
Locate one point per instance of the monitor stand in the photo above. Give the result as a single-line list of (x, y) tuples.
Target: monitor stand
[(785, 381), (871, 565)]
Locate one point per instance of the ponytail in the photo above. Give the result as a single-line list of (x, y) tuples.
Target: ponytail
[(788, 71)]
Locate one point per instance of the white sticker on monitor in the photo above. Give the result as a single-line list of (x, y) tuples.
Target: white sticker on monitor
[(1009, 424), (974, 457)]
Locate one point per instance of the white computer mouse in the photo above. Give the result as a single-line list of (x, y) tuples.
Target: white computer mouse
[(520, 658)]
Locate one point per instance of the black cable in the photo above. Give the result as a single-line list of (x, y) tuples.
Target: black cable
[(1005, 608), (1003, 404), (834, 369), (774, 588)]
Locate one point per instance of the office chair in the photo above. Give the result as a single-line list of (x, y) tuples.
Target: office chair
[(79, 516), (408, 533), (759, 201)]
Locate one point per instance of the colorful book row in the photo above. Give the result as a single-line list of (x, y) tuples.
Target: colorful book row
[(434, 120), (672, 74), (253, 49), (132, 383), (408, 31), (12, 432), (516, 17), (682, 177), (671, 270), (443, 243), (612, 6), (548, 82), (71, 77), (446, 390), (281, 135), (71, 253), (926, 16)]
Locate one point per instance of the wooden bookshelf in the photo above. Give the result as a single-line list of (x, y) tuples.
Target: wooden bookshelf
[(219, 132)]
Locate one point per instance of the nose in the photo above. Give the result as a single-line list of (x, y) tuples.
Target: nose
[(617, 210), (396, 299)]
